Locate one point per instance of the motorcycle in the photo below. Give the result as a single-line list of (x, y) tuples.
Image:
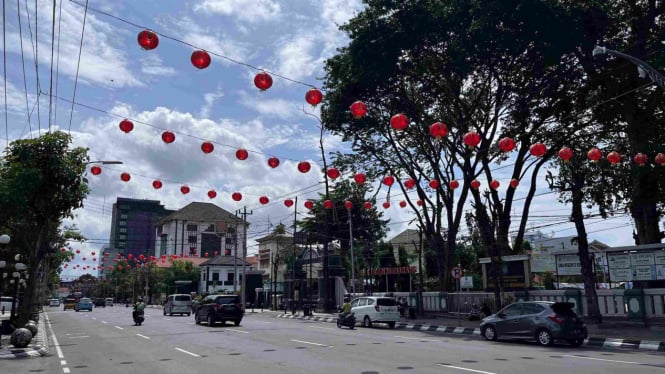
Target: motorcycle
[(139, 317), (348, 321)]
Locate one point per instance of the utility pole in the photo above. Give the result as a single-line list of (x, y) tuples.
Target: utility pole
[(235, 256), (293, 266), (353, 262), (243, 290)]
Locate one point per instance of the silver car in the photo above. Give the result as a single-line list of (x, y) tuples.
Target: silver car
[(543, 321)]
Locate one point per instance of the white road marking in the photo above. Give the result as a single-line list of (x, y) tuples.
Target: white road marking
[(118, 327), (603, 359), (95, 318), (63, 362), (65, 370), (190, 323), (104, 322), (317, 344), (166, 319), (244, 332), (421, 339), (57, 345), (322, 328), (79, 337), (187, 352), (143, 336), (466, 369)]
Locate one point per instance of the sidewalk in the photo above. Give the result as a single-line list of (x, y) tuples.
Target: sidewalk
[(610, 335), (38, 346)]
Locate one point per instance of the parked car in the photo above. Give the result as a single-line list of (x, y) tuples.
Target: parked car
[(84, 304), (6, 304), (543, 321), (219, 308), (376, 309), (108, 301), (69, 303), (54, 302), (178, 303)]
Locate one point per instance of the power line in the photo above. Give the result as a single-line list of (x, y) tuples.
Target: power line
[(4, 70), (36, 54), (78, 65), (50, 100), (25, 81), (57, 66)]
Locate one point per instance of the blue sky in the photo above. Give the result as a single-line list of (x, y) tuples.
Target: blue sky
[(160, 90)]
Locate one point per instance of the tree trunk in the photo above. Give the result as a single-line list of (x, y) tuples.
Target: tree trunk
[(586, 261)]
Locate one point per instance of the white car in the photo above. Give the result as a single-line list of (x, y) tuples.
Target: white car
[(54, 302), (373, 309)]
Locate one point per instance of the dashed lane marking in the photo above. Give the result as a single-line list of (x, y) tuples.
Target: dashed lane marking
[(312, 343), (187, 352), (143, 336), (603, 359), (118, 327), (465, 369), (244, 332), (420, 339)]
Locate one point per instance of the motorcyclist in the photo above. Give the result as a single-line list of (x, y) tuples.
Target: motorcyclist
[(139, 307), (346, 308)]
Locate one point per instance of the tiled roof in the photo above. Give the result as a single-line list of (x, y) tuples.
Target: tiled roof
[(223, 260), (200, 212)]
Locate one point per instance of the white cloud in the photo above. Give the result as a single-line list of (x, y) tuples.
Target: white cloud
[(153, 65), (295, 56), (244, 10), (209, 100)]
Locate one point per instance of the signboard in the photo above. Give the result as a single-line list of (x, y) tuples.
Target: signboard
[(659, 257), (541, 263), (568, 265), (466, 282), (660, 271), (621, 275), (642, 259), (457, 272), (643, 273), (619, 261), (390, 271)]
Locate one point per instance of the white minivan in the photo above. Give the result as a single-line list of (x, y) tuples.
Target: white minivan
[(373, 309), (178, 304)]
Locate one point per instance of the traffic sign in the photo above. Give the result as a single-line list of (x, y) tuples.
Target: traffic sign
[(457, 272)]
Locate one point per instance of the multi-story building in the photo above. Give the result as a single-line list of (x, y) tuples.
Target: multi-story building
[(199, 230), (133, 225)]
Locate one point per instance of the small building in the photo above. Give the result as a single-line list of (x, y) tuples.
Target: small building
[(220, 273)]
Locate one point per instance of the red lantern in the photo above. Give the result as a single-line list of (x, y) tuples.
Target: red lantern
[(434, 183), (63, 250), (614, 157), (506, 144), (402, 204), (309, 204), (264, 200), (212, 194), (84, 258), (419, 202), (494, 184), (207, 147), (514, 183), (471, 139), (399, 122), (125, 177), (126, 126), (641, 159), (200, 59), (184, 189), (348, 204), (453, 184), (475, 184), (386, 205), (358, 109), (94, 259), (273, 162), (538, 149), (388, 180), (313, 97), (236, 196), (263, 81), (119, 267), (660, 159), (130, 256), (157, 184), (106, 254), (367, 205), (288, 203), (565, 154), (409, 183), (333, 173), (148, 40), (438, 130), (205, 254), (304, 166), (328, 204), (96, 170), (594, 155), (360, 178), (242, 154), (92, 253)]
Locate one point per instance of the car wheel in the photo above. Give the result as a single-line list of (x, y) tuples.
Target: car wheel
[(490, 333), (237, 323), (367, 322), (544, 337), (339, 324), (189, 314), (391, 325), (576, 342), (211, 320)]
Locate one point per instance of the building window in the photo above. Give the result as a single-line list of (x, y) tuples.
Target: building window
[(121, 244), (122, 237), (192, 251), (191, 239), (160, 229), (123, 229), (123, 216), (162, 244), (122, 223), (192, 227), (229, 277), (203, 276), (215, 276)]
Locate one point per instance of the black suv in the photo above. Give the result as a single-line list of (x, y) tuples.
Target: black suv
[(219, 308)]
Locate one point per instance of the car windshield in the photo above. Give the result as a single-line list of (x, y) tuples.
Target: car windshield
[(85, 300), (183, 298), (386, 302)]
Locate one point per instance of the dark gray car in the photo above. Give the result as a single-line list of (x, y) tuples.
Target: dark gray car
[(544, 321)]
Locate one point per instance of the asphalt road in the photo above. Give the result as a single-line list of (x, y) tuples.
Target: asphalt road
[(105, 341)]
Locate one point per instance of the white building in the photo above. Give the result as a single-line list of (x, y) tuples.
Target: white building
[(219, 273)]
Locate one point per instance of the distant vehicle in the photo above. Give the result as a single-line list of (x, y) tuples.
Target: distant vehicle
[(178, 304), (54, 302), (83, 304), (373, 309), (542, 321), (219, 308), (108, 301), (6, 304), (100, 302), (69, 303)]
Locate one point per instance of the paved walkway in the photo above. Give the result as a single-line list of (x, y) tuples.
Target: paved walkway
[(38, 347)]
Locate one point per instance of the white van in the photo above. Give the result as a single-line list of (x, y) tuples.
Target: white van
[(372, 309), (178, 304)]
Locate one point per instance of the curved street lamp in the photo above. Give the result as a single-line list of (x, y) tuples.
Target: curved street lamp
[(643, 69)]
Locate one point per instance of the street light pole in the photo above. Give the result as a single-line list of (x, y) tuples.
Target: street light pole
[(353, 262), (643, 68)]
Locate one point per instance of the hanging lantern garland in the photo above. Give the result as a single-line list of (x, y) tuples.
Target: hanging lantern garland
[(168, 137), (438, 130), (614, 157), (200, 59), (399, 122), (506, 144), (313, 97), (594, 155), (565, 154), (273, 162), (148, 40), (360, 178), (126, 126), (641, 159)]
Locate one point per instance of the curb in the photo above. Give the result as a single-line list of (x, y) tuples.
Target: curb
[(646, 345), (39, 349)]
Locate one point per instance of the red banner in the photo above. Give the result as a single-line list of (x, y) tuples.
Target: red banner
[(390, 271)]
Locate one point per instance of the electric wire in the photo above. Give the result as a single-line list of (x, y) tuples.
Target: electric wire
[(50, 99), (57, 66), (78, 65), (25, 81), (4, 70)]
